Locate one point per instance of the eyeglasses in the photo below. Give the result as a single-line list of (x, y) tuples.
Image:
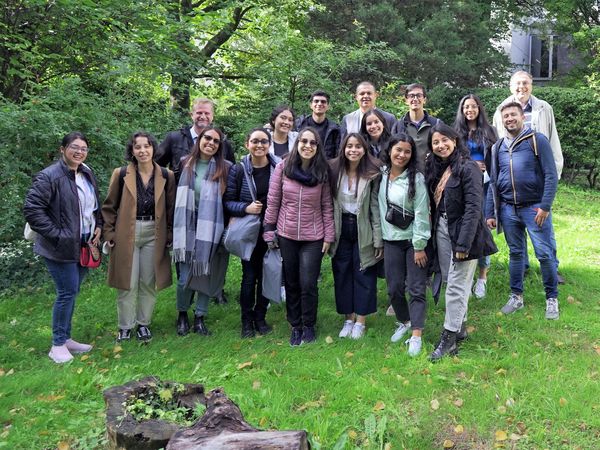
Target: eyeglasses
[(310, 142), (76, 148), (315, 100), (260, 141), (208, 138), (418, 96)]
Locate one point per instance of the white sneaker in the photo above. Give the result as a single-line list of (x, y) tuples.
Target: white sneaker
[(60, 354), (480, 288), (358, 331), (77, 347), (400, 331), (390, 311), (346, 329), (414, 345), (552, 309)]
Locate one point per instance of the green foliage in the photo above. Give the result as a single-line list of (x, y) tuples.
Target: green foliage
[(161, 401), (21, 270)]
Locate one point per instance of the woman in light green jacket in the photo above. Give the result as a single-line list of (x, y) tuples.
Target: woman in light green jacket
[(358, 246), (403, 188)]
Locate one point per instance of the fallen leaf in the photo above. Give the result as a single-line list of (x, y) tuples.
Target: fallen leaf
[(500, 435), (499, 330), (244, 365), (406, 382), (426, 371), (2, 372), (387, 446), (117, 349), (118, 356), (329, 340), (349, 354), (62, 445), (435, 405), (80, 370), (521, 427), (311, 404), (379, 406), (50, 398), (262, 422), (385, 370), (458, 402), (501, 371), (562, 401), (459, 429), (502, 409), (164, 350), (85, 357), (448, 443), (256, 385), (510, 402), (597, 348), (515, 437), (10, 372), (571, 299), (471, 329), (352, 435)]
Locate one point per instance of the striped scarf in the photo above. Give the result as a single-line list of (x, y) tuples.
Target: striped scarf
[(197, 230)]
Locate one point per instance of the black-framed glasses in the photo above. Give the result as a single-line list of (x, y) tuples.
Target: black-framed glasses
[(208, 138), (77, 148), (259, 141), (418, 96), (310, 142), (318, 100)]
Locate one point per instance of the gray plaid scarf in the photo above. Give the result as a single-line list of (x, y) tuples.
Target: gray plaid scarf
[(197, 231)]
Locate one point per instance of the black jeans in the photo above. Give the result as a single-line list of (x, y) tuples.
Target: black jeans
[(253, 304), (355, 289), (401, 271), (301, 267)]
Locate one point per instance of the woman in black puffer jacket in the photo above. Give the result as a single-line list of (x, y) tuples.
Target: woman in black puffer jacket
[(63, 208), (455, 184), (239, 201)]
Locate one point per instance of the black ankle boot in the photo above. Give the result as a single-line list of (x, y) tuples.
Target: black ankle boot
[(462, 333), (446, 346), (247, 329), (183, 324), (200, 326), (262, 326)]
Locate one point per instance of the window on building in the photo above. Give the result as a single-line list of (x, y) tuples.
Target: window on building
[(543, 57)]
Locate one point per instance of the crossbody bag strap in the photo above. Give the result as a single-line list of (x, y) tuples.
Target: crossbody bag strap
[(250, 183)]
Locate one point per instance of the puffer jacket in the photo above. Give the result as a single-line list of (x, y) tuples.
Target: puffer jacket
[(296, 211), (52, 210), (237, 196), (331, 143)]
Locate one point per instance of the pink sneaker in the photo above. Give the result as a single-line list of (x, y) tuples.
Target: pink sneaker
[(60, 354), (77, 347)]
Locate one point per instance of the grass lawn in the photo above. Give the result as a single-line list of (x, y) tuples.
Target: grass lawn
[(518, 382)]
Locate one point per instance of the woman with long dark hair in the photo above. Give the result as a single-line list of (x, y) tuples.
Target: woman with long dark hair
[(358, 246), (198, 226), (375, 130), (300, 218), (475, 130), (247, 194), (138, 229), (455, 186), (403, 187), (63, 208), (282, 137)]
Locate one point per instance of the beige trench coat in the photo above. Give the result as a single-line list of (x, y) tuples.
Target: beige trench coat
[(119, 226)]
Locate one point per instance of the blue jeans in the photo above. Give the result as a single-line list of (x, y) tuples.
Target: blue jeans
[(185, 296), (67, 280), (515, 221)]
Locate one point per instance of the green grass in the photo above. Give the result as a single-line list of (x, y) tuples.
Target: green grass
[(536, 380)]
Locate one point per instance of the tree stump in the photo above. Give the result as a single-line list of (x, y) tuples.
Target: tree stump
[(124, 432), (222, 427)]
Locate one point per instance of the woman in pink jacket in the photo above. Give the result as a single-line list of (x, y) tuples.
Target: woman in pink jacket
[(299, 219)]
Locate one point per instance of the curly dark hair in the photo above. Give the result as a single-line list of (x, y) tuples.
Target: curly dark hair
[(129, 147), (435, 166)]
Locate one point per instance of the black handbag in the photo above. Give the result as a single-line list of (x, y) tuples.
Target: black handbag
[(397, 215)]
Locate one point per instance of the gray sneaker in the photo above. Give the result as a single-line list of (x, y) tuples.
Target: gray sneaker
[(552, 309), (515, 302)]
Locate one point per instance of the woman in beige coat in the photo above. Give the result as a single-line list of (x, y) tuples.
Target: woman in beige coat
[(138, 230)]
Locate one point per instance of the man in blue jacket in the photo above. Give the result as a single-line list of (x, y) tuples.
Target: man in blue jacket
[(523, 182)]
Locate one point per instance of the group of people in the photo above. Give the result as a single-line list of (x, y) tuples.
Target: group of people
[(413, 198)]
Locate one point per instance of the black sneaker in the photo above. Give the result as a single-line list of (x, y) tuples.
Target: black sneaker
[(247, 330), (296, 337), (143, 333), (446, 346), (462, 333), (308, 335), (123, 335)]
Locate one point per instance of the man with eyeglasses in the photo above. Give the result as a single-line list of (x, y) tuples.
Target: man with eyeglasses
[(179, 143), (417, 122), (328, 130), (366, 97)]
